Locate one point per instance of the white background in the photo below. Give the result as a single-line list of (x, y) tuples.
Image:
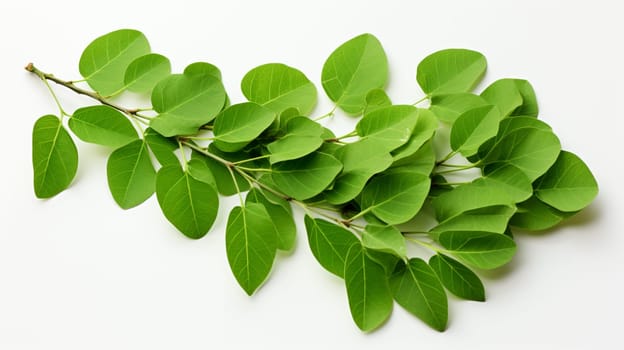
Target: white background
[(77, 272)]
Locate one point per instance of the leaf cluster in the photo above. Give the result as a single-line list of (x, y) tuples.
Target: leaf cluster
[(368, 197)]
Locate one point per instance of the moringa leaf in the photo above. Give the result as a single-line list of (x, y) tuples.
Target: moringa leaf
[(447, 107), (329, 244), (529, 105), (281, 218), (251, 244), (131, 175), (200, 172), (491, 219), (146, 71), (306, 177), (504, 94), (240, 124), (457, 278), (104, 61), (375, 99), (370, 298), (426, 126), (102, 125), (189, 204), (54, 157), (568, 185), (387, 239), (302, 137), (535, 215), (473, 127), (418, 290), (450, 71), (484, 250), (203, 68), (353, 70), (162, 147), (388, 127), (278, 87), (227, 183)]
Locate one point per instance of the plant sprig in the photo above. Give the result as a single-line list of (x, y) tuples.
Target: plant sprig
[(365, 194)]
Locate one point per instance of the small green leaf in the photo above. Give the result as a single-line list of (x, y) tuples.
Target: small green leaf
[(422, 161), (450, 71), (103, 63), (189, 204), (162, 147), (507, 126), (370, 298), (251, 244), (490, 219), (352, 70), (302, 137), (102, 125), (131, 175), (146, 71), (200, 172), (473, 128), (306, 177), (531, 150), (529, 105), (535, 215), (225, 184), (417, 289), (185, 103), (450, 106), (388, 127), (329, 244), (54, 157), (457, 278), (202, 68), (281, 218), (484, 250), (279, 87), (386, 239), (504, 94), (426, 126), (240, 124), (375, 99), (395, 197), (568, 185)]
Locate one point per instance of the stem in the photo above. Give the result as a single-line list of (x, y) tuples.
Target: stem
[(426, 97), (251, 159), (423, 244), (456, 168), (329, 114), (447, 157)]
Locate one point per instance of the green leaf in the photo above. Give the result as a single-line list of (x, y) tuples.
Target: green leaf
[(509, 180), (202, 68), (506, 127), (422, 161), (473, 128), (457, 278), (189, 204), (448, 107), (281, 218), (329, 244), (103, 63), (251, 244), (375, 99), (54, 157), (361, 160), (568, 185), (200, 172), (450, 71), (306, 177), (162, 147), (417, 289), (353, 70), (225, 184), (146, 71), (529, 100), (302, 137), (426, 126), (395, 197), (386, 239), (185, 103), (484, 250), (504, 94), (388, 127), (535, 215), (490, 219), (131, 175), (102, 125), (370, 298), (531, 150), (240, 124), (279, 87)]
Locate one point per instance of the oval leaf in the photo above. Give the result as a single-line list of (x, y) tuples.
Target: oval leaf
[(202, 68), (302, 137), (450, 71), (225, 182), (504, 94), (417, 289), (450, 106), (240, 124), (251, 244), (568, 185), (185, 103), (281, 218), (529, 105), (146, 71), (54, 157), (306, 177), (388, 127), (189, 204), (279, 87), (386, 239), (485, 250), (457, 278), (329, 244), (473, 128), (103, 63), (102, 125), (131, 175), (352, 70), (370, 299), (490, 219), (535, 215), (162, 147)]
